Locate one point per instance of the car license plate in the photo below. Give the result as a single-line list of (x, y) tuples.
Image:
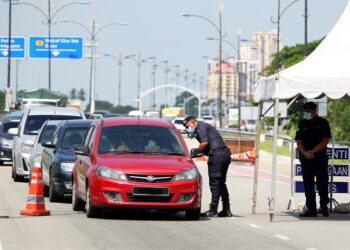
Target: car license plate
[(156, 191)]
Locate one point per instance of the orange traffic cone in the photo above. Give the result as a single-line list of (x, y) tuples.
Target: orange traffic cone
[(35, 201)]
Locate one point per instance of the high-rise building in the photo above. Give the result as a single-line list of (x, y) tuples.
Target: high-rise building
[(229, 80), (260, 48)]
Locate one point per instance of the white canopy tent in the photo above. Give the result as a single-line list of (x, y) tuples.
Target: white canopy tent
[(325, 71)]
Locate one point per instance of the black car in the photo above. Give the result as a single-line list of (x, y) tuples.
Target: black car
[(57, 158), (10, 120)]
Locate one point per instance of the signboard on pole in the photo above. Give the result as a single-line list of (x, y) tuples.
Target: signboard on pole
[(338, 170), (339, 153), (233, 117), (338, 187), (57, 47), (18, 48)]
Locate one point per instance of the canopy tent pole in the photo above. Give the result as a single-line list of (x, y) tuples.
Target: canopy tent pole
[(272, 200), (257, 149), (331, 199)]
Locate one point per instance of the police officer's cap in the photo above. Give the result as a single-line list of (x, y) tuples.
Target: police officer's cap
[(310, 105), (187, 119)]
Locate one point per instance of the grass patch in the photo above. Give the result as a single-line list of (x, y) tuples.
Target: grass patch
[(268, 147)]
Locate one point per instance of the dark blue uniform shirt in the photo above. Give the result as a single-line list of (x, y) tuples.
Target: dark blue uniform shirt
[(311, 133), (204, 132)]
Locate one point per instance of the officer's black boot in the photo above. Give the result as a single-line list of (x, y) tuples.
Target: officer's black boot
[(226, 211), (213, 211)]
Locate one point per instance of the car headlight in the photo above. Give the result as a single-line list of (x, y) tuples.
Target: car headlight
[(187, 175), (109, 173), (6, 142), (25, 148), (67, 166)]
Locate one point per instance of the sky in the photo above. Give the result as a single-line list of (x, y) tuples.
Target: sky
[(155, 28)]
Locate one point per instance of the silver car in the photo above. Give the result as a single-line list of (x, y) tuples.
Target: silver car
[(28, 129), (44, 136)]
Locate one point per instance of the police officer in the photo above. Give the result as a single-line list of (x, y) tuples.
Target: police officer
[(312, 138), (212, 144)]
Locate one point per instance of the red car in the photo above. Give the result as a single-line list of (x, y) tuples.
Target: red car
[(135, 163)]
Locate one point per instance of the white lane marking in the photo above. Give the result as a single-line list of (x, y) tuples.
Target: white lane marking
[(254, 226), (1, 245), (233, 218), (282, 237), (310, 248)]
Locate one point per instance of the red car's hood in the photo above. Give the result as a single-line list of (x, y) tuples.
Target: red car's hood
[(146, 164)]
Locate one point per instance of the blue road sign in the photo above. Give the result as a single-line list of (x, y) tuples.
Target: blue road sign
[(339, 153), (338, 187), (57, 47), (338, 170), (18, 48)]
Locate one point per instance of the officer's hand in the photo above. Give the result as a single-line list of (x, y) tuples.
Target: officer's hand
[(309, 155)]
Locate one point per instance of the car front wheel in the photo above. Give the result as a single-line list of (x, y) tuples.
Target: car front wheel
[(53, 195), (193, 214), (91, 210)]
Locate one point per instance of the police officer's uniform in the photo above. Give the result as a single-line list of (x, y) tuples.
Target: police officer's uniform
[(218, 163), (311, 133)]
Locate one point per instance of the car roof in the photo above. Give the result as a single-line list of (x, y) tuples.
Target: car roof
[(113, 121), (76, 123), (14, 114), (54, 111)]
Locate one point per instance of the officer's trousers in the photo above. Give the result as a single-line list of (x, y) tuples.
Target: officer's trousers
[(218, 164), (315, 168)]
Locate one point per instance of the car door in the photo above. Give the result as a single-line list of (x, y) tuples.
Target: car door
[(83, 162), (47, 157)]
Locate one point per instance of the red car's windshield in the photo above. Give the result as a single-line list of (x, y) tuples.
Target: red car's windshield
[(140, 139)]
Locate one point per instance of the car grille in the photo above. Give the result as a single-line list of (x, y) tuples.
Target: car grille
[(149, 178), (149, 198)]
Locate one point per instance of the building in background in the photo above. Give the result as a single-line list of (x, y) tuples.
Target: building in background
[(260, 48)]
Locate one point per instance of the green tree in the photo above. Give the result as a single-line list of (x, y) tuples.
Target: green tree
[(81, 95), (73, 93), (122, 109)]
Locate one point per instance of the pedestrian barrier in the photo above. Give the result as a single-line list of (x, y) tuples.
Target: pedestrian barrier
[(341, 154), (35, 201)]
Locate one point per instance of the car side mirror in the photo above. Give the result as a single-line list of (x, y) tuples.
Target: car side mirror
[(28, 143), (195, 153), (13, 131), (48, 145), (81, 150)]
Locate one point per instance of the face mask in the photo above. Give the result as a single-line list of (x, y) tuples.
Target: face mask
[(190, 131), (307, 116)]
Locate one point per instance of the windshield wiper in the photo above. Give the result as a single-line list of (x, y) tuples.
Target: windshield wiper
[(163, 153)]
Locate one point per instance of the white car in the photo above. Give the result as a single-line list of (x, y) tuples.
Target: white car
[(209, 119), (28, 129), (178, 124)]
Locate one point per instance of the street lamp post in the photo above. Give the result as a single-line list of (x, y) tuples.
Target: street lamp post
[(93, 34), (154, 67), (119, 59), (49, 15), (219, 30), (278, 22), (138, 63), (9, 42), (237, 49)]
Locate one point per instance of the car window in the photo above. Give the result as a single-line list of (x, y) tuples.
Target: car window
[(142, 139), (92, 139), (46, 134), (73, 136), (178, 122), (34, 122), (88, 135), (5, 126)]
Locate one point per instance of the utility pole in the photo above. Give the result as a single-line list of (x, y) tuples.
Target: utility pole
[(306, 16)]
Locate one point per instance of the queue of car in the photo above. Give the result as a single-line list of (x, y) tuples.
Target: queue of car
[(117, 162)]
